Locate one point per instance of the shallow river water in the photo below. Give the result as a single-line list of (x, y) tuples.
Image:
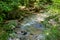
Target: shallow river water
[(31, 28)]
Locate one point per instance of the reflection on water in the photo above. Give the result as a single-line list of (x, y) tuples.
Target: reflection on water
[(34, 21), (32, 27)]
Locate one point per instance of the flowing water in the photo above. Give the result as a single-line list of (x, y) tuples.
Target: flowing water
[(31, 28)]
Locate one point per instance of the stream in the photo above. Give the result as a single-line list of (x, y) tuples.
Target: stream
[(31, 28)]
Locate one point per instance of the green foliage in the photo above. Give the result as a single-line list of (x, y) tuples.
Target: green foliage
[(9, 10), (8, 5), (4, 36), (6, 29), (52, 31), (54, 34)]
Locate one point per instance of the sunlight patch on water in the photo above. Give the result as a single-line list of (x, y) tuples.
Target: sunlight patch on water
[(33, 19)]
